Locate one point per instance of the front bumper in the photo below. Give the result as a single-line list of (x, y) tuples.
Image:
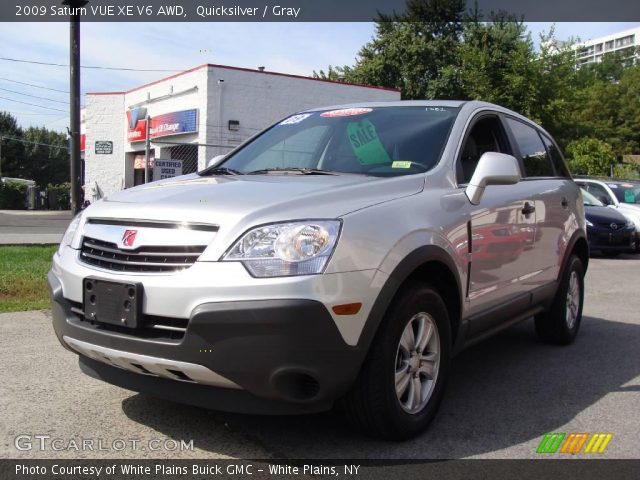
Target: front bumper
[(605, 240), (266, 356)]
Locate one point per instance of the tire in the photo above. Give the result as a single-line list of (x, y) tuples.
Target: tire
[(561, 323), (373, 404)]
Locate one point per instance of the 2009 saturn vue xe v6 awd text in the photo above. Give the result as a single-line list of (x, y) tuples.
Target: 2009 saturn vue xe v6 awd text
[(343, 254)]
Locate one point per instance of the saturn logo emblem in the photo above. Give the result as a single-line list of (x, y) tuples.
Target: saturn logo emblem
[(128, 238)]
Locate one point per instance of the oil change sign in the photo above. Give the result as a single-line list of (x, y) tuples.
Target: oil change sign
[(365, 143), (167, 169)]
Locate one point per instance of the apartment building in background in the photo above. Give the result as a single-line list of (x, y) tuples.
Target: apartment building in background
[(592, 51)]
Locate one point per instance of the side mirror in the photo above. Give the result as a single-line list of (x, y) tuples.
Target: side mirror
[(214, 161), (604, 199), (493, 169)]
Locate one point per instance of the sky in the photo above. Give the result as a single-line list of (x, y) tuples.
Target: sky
[(296, 48)]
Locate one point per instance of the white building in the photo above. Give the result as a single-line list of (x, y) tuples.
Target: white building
[(194, 116), (592, 51)]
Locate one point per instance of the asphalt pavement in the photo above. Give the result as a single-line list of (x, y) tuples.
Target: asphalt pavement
[(33, 226), (503, 396)]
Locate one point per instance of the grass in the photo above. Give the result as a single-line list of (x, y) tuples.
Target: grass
[(23, 277)]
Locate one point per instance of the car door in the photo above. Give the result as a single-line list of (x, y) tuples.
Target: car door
[(502, 229), (546, 181)]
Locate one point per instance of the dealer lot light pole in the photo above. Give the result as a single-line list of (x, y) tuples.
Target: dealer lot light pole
[(74, 100)]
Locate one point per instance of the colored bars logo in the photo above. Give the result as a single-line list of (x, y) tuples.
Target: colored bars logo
[(573, 443)]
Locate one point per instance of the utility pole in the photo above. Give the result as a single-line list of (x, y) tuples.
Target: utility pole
[(1, 138), (74, 104)]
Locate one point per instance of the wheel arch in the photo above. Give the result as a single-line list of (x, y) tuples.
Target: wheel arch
[(578, 246), (426, 263)]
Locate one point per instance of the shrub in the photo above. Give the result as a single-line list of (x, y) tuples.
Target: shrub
[(625, 170), (59, 196), (13, 195), (590, 156)]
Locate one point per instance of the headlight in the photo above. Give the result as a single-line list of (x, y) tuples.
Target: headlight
[(285, 249), (69, 234), (589, 224)]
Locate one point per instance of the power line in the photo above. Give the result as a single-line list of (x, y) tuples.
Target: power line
[(34, 96), (4, 137), (33, 85), (33, 105), (88, 66), (66, 117), (12, 112)]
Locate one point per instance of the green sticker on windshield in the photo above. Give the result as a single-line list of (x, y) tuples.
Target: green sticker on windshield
[(629, 196), (366, 144), (401, 164)]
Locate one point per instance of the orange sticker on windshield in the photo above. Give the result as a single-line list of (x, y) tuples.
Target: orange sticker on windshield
[(346, 112)]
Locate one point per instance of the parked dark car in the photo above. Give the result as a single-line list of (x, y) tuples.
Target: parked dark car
[(608, 230)]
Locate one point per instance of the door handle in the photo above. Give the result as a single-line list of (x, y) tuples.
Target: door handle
[(565, 202), (528, 208)]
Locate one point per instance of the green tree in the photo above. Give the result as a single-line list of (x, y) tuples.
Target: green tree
[(553, 80), (416, 51), (46, 156), (335, 74), (610, 111), (12, 150), (590, 156), (495, 61)]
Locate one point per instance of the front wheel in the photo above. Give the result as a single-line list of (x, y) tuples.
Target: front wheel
[(561, 323), (402, 381)]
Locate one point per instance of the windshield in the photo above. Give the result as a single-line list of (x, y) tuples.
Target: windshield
[(626, 192), (589, 200), (386, 141)]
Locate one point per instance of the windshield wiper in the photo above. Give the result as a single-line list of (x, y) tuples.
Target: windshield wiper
[(223, 171), (303, 171)]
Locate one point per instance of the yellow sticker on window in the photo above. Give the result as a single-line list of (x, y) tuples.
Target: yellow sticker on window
[(401, 164), (366, 144)]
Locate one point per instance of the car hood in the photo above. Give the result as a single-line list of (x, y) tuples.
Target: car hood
[(228, 199), (604, 215)]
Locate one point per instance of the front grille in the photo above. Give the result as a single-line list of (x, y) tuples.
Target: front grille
[(143, 259), (153, 327), (612, 239)]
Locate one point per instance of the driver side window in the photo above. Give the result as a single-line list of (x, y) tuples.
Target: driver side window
[(486, 135)]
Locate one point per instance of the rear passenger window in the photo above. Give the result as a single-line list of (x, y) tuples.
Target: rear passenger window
[(534, 154), (556, 158)]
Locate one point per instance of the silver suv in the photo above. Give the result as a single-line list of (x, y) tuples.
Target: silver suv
[(343, 254)]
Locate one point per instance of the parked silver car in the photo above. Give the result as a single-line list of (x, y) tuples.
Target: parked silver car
[(344, 254)]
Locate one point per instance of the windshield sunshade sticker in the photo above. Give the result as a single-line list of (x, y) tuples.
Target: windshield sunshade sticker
[(293, 119), (401, 164), (366, 144), (346, 112)]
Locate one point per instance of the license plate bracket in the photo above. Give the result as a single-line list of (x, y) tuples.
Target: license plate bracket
[(115, 303)]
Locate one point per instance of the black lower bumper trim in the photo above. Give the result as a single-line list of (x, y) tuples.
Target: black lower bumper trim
[(287, 351), (203, 396)]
